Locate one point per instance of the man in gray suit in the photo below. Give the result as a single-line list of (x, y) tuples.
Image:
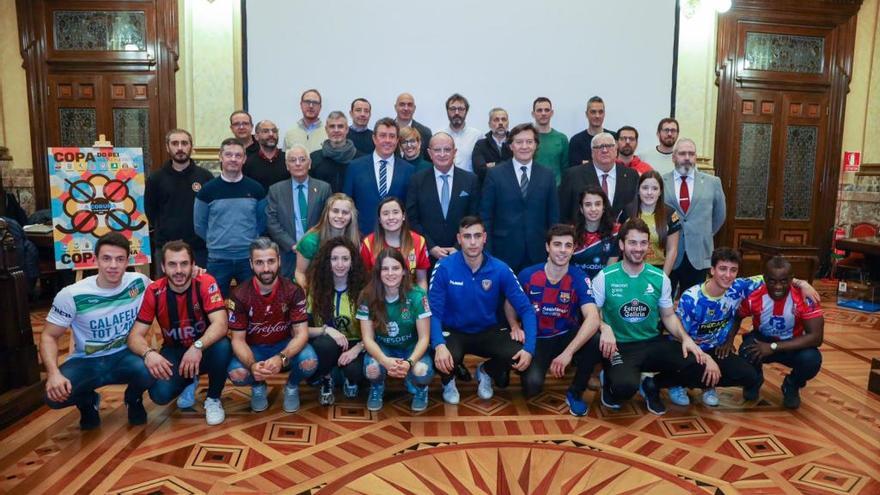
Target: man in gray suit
[(699, 201), (294, 206)]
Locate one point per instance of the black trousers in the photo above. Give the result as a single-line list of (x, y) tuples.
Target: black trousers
[(623, 371), (686, 276), (547, 349), (328, 352), (493, 344), (735, 372)]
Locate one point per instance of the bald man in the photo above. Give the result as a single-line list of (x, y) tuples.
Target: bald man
[(405, 107)]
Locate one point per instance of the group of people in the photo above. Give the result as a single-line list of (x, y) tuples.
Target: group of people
[(420, 251)]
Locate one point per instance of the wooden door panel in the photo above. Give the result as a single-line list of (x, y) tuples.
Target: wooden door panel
[(75, 110), (133, 114)]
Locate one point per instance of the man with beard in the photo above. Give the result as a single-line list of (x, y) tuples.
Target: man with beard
[(493, 148), (465, 137), (627, 142), (190, 312), (242, 125), (330, 163), (229, 213), (270, 330), (619, 183), (267, 165), (359, 132), (553, 151), (308, 130), (579, 144), (171, 190), (405, 108), (567, 320), (788, 329), (698, 199), (633, 297), (660, 156)]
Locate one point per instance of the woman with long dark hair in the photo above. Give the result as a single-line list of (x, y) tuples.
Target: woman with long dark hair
[(662, 221), (595, 232), (392, 230), (336, 276), (395, 328)]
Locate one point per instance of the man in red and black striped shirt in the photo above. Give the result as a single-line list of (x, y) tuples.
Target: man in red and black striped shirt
[(191, 313)]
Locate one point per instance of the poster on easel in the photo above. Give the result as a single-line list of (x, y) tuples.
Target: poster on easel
[(95, 191)]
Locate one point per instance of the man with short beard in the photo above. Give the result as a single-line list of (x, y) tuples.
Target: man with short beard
[(270, 330), (192, 317), (330, 163), (465, 137), (698, 198), (267, 165), (171, 190), (627, 142), (660, 156), (493, 148), (360, 133)]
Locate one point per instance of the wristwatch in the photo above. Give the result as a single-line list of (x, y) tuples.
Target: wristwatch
[(773, 346), (284, 359), (198, 344), (410, 361)]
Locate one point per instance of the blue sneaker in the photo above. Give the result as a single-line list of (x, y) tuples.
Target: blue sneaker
[(259, 401), (651, 393), (187, 398), (420, 399), (410, 386), (484, 387), (679, 396), (374, 400), (291, 398), (710, 397), (450, 393), (350, 390), (607, 401), (576, 404)]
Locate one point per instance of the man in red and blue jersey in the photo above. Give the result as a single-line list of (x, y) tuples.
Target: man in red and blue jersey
[(568, 319), (190, 311), (788, 329)]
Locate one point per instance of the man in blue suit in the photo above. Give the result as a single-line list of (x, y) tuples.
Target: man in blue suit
[(519, 203), (371, 178)]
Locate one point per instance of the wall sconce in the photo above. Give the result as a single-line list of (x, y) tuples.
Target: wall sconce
[(691, 6)]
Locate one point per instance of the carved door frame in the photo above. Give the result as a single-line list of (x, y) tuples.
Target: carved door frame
[(835, 22)]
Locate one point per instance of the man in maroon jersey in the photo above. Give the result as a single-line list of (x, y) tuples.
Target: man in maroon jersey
[(267, 316), (191, 315)]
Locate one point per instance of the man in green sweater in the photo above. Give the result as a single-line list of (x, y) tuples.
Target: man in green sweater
[(553, 150)]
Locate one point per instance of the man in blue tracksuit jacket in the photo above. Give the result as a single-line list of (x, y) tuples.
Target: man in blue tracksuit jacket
[(229, 213), (466, 291)]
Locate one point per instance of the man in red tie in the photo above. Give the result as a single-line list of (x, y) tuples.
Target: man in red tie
[(698, 199)]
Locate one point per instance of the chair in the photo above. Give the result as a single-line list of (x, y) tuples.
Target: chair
[(854, 265)]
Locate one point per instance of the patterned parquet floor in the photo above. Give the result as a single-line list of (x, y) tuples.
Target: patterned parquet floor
[(831, 445)]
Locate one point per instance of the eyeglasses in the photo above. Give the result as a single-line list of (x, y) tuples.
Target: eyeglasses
[(627, 139), (241, 124), (669, 130), (604, 147), (311, 103), (409, 142), (456, 109)]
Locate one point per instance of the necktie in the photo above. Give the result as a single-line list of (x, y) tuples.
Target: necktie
[(303, 205), (605, 184), (524, 180), (684, 194), (444, 194), (383, 178)]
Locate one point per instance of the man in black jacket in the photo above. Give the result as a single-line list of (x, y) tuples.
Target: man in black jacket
[(169, 195), (494, 148), (330, 163), (579, 144)]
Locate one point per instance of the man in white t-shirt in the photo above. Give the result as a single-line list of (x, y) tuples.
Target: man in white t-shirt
[(100, 311)]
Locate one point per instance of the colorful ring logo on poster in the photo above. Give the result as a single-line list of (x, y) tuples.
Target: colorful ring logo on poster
[(99, 205)]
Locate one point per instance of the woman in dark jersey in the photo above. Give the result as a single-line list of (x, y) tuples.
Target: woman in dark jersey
[(595, 232)]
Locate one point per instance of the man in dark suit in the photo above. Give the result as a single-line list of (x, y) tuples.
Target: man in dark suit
[(294, 206), (371, 178), (439, 197), (494, 148), (620, 183), (519, 203)]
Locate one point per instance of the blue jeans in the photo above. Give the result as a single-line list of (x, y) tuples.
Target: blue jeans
[(379, 378), (225, 270), (804, 363), (215, 361), (298, 372), (89, 373)]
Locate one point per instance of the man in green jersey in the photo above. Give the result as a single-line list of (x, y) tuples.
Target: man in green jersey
[(633, 297)]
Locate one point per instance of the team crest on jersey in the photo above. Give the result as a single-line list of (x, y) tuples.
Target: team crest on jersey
[(216, 298), (134, 291), (487, 284), (196, 187), (565, 297), (425, 304), (212, 288), (404, 313), (230, 305)]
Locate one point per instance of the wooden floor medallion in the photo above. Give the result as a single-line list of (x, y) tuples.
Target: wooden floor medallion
[(508, 444)]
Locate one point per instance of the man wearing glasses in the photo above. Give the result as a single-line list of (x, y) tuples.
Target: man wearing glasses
[(242, 126), (627, 142), (309, 130), (465, 137), (660, 156), (619, 182)]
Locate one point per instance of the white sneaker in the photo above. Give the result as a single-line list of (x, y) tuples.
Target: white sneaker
[(214, 413), (484, 387), (710, 397), (450, 393)]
